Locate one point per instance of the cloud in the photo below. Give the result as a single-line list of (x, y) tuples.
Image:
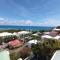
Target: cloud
[(24, 22), (15, 22), (1, 18), (48, 22), (28, 22)]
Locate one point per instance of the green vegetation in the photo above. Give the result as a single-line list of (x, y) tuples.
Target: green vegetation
[(11, 31), (46, 49), (42, 51), (15, 56), (7, 38)]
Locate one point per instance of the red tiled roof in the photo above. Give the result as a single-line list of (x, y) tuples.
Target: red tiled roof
[(15, 43)]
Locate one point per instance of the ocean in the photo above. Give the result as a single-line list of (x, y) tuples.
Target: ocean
[(35, 28)]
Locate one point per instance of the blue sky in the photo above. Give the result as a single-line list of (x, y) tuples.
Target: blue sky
[(30, 12)]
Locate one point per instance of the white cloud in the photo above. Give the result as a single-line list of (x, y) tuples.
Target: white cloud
[(28, 22), (24, 22), (49, 22), (1, 18), (15, 22)]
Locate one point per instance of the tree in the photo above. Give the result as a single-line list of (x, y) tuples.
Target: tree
[(42, 50)]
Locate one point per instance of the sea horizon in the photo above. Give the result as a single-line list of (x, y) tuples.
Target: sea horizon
[(15, 27)]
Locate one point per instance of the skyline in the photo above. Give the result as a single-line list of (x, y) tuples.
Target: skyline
[(30, 12)]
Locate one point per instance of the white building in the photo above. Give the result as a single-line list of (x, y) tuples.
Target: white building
[(32, 42), (50, 37), (56, 29), (46, 37), (4, 55), (56, 55), (46, 33), (5, 34), (23, 32)]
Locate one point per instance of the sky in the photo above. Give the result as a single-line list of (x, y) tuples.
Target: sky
[(30, 12)]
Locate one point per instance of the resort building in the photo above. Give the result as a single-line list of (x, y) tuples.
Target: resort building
[(57, 30), (54, 34), (52, 38)]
